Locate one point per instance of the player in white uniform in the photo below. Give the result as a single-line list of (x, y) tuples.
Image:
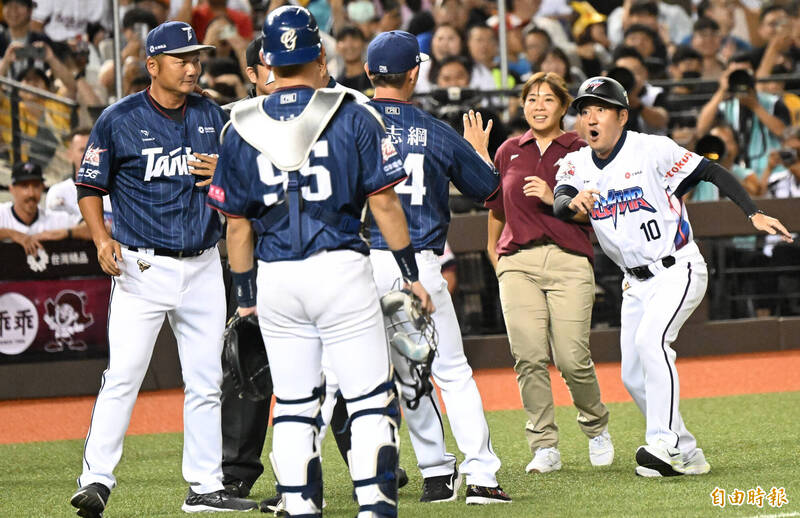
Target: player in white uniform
[(630, 185)]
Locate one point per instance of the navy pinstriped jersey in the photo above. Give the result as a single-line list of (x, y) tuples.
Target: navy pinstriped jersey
[(433, 155), (351, 160), (139, 155)]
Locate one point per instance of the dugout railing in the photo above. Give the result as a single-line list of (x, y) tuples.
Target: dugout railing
[(33, 125)]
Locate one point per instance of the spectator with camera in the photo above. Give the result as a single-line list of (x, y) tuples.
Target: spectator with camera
[(774, 29), (647, 113), (17, 29), (453, 97), (759, 118)]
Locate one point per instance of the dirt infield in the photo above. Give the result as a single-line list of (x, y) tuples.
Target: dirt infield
[(162, 411)]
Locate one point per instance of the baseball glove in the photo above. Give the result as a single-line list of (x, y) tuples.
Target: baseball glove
[(244, 358)]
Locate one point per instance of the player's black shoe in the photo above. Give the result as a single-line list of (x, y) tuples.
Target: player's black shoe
[(657, 461), (274, 505), (443, 488), (402, 477), (216, 501), (479, 495), (91, 500), (236, 488)]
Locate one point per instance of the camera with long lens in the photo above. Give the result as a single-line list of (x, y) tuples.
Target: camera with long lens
[(788, 156), (711, 147), (741, 82)]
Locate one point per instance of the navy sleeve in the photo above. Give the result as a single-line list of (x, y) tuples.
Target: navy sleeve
[(381, 164), (470, 173), (96, 169), (229, 189)]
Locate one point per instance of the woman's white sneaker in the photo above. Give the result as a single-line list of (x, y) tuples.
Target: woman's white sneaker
[(601, 449), (544, 461)]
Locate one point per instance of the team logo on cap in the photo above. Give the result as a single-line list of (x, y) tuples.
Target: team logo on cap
[(188, 31), (289, 39), (594, 84)]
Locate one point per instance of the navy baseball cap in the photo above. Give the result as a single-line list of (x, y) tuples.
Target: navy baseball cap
[(173, 38), (394, 52)]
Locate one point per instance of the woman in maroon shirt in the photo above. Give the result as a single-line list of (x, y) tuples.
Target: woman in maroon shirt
[(544, 269)]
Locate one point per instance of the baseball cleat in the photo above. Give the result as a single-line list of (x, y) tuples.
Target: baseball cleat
[(402, 477), (601, 449), (275, 505), (657, 461), (696, 464), (441, 489), (482, 495), (218, 501), (545, 460), (91, 500)]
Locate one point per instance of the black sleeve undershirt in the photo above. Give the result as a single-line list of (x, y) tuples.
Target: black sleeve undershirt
[(84, 191), (561, 200), (727, 184)]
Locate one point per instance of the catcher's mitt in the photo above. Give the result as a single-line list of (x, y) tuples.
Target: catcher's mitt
[(244, 358)]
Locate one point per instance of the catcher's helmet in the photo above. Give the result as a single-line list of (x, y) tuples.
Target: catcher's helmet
[(413, 335), (291, 37), (603, 89)]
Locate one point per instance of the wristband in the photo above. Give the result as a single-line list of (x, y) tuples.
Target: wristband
[(407, 263), (245, 284), (69, 233), (756, 212)]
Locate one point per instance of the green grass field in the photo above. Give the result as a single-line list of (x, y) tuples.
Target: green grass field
[(749, 440)]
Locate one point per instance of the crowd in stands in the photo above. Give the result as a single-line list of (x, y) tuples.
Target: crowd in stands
[(693, 69)]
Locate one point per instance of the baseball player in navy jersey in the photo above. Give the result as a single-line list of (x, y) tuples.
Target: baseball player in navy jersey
[(163, 260), (434, 155), (302, 192), (630, 185)]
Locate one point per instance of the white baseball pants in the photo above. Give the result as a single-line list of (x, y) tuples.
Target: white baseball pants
[(325, 302), (653, 312), (191, 294), (452, 374)]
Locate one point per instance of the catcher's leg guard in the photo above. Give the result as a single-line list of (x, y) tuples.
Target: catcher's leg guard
[(311, 490), (374, 455), (301, 485)]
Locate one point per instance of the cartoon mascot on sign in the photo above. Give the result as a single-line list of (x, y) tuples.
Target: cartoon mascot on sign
[(66, 316)]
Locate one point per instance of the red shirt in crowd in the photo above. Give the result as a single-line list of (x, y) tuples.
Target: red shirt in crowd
[(202, 16), (528, 218)]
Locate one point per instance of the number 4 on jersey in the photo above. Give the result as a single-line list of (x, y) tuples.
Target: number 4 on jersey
[(415, 183)]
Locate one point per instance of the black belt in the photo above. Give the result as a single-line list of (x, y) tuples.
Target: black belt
[(170, 253), (643, 272)]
